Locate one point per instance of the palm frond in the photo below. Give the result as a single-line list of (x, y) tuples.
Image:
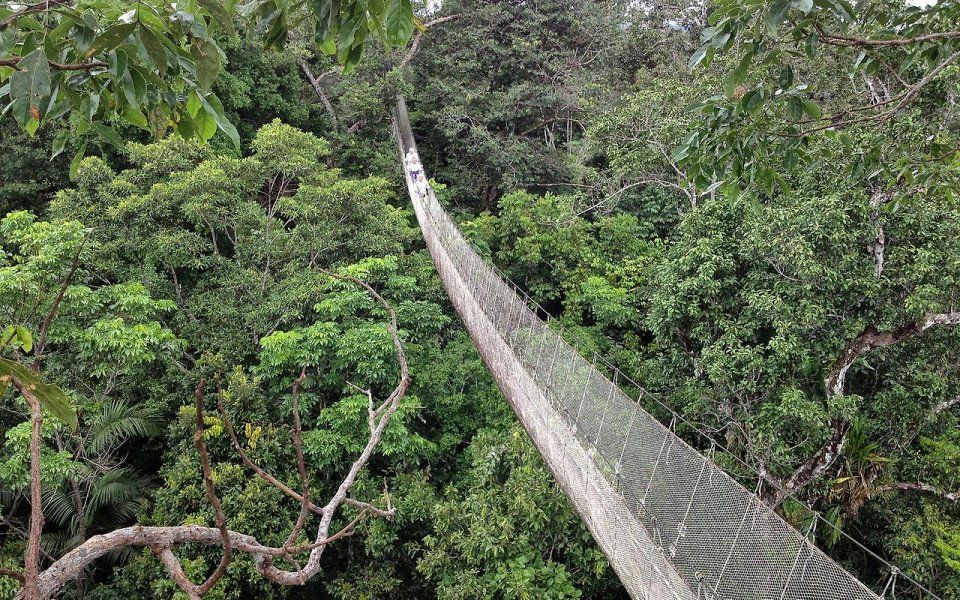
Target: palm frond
[(118, 422)]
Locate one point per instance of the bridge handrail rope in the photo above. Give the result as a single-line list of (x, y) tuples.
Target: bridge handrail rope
[(683, 529)]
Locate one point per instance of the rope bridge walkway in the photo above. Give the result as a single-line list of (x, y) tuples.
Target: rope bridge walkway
[(673, 525)]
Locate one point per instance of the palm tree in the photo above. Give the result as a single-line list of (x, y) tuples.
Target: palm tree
[(103, 494)]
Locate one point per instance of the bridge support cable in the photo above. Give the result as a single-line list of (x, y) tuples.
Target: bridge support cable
[(673, 525)]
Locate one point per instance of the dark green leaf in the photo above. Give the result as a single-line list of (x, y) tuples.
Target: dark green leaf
[(154, 48), (31, 83), (111, 38), (786, 77), (219, 13), (59, 143), (399, 22), (776, 15), (206, 56), (795, 108)]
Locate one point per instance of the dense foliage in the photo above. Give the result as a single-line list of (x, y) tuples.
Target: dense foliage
[(769, 242)]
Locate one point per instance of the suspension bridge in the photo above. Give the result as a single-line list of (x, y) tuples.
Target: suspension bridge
[(673, 524)]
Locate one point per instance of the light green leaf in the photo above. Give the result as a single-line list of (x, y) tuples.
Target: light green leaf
[(812, 109), (75, 163)]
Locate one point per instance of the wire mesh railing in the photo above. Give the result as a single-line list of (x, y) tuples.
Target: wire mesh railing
[(673, 524)]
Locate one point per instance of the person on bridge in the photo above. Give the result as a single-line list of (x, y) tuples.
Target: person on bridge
[(416, 172), (413, 165)]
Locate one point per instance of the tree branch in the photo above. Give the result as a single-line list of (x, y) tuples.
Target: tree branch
[(52, 313), (918, 487), (263, 474), (853, 42), (415, 46), (13, 574), (870, 339), (94, 64), (33, 8), (211, 493), (31, 567), (318, 89)]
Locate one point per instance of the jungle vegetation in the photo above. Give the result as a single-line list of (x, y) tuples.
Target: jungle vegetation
[(220, 331)]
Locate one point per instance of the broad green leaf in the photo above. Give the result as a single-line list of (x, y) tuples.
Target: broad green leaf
[(219, 13), (810, 45), (740, 73), (109, 135), (776, 15), (111, 38), (786, 77), (194, 104), (205, 125), (795, 108), (154, 48), (26, 339), (134, 116), (206, 56), (399, 22), (214, 108), (812, 109), (75, 162), (353, 59), (697, 57), (51, 397), (59, 143), (31, 83)]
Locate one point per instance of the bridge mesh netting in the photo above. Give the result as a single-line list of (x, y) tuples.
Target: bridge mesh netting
[(673, 524)]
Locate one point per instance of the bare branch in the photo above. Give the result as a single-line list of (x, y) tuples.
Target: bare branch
[(221, 519), (301, 464), (94, 64), (318, 89), (919, 487), (263, 474), (52, 314), (415, 46), (172, 564)]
